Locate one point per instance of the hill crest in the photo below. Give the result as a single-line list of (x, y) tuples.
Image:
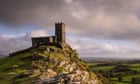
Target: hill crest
[(46, 65)]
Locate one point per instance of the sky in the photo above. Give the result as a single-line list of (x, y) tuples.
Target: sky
[(95, 28)]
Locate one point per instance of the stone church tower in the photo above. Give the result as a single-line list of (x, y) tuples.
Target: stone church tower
[(60, 32), (58, 38)]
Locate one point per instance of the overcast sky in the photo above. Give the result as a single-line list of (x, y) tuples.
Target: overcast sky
[(97, 28)]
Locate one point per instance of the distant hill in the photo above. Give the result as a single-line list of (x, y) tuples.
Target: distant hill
[(1, 55), (46, 65)]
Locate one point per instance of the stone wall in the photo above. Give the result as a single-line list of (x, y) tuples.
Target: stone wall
[(43, 40)]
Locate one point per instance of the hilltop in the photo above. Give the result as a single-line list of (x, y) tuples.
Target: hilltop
[(46, 65)]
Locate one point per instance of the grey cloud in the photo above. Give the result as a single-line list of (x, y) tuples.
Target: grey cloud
[(12, 44), (111, 6), (111, 19), (27, 11), (98, 19), (102, 19)]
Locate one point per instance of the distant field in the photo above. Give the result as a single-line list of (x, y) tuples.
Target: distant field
[(104, 68), (133, 65), (126, 76)]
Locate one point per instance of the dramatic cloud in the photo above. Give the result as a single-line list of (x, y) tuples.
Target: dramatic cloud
[(96, 19)]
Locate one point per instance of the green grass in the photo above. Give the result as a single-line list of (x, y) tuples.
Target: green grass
[(8, 67), (103, 68), (133, 65), (129, 78), (135, 68), (126, 78)]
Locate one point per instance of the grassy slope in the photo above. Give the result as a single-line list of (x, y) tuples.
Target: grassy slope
[(8, 66), (11, 67)]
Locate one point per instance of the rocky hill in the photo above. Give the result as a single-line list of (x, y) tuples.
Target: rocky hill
[(46, 65)]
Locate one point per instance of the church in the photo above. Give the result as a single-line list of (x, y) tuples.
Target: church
[(58, 38)]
